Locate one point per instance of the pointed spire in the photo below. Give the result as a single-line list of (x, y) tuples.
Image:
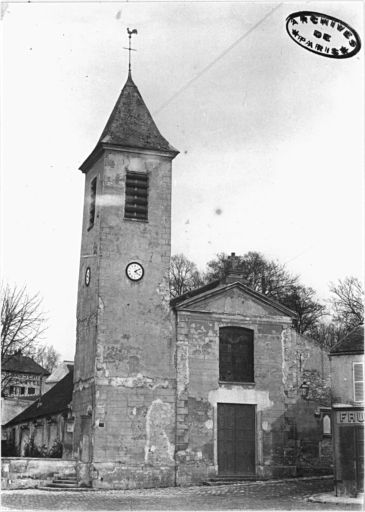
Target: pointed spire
[(130, 123)]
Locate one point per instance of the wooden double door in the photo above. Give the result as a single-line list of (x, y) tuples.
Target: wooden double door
[(236, 439)]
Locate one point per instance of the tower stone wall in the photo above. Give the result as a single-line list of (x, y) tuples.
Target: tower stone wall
[(125, 377)]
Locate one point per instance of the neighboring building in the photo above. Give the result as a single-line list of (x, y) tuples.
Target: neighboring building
[(24, 383), (169, 394), (347, 382), (58, 373), (46, 427)]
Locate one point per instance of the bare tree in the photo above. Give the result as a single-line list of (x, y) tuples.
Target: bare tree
[(47, 357), (272, 279), (303, 301), (327, 334), (266, 276), (184, 275), (347, 302), (218, 267), (22, 323)]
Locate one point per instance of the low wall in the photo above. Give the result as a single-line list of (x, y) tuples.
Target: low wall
[(28, 473), (114, 475)]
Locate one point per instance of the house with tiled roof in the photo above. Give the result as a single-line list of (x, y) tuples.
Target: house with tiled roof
[(347, 384), (22, 383), (45, 424)]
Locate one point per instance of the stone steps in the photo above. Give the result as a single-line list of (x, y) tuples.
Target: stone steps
[(67, 482)]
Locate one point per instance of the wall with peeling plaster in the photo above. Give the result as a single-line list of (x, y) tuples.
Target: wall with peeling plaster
[(199, 389), (126, 378), (275, 390), (305, 446), (87, 316)]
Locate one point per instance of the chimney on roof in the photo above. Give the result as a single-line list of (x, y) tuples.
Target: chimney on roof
[(234, 271)]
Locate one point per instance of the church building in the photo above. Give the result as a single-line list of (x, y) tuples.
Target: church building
[(206, 386)]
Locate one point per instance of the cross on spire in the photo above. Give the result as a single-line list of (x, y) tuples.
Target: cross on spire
[(130, 49)]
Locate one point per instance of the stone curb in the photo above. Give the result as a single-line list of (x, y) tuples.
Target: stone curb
[(272, 481), (180, 489), (338, 500)]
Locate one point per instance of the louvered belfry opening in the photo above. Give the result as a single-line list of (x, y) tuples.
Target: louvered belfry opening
[(136, 196)]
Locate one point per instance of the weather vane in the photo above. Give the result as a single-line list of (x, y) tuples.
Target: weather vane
[(130, 33)]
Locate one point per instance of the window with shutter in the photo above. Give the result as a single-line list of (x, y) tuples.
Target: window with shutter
[(236, 354), (358, 378), (136, 196)]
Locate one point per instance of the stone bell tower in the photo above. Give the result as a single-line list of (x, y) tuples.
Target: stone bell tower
[(124, 377)]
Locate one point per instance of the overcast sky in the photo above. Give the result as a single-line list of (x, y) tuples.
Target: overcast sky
[(270, 136)]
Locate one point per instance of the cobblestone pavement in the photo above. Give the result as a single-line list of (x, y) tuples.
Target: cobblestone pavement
[(285, 495)]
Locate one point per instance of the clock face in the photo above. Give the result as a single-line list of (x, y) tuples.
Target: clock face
[(87, 276), (134, 271)]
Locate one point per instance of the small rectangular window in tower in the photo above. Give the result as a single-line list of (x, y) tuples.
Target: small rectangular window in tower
[(136, 196), (92, 203), (358, 373)]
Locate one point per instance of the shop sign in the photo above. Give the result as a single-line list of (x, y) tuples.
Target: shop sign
[(346, 417), (323, 34)]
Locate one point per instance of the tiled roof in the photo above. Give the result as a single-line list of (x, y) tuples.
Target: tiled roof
[(22, 364), (130, 125), (193, 293), (353, 343), (56, 400)]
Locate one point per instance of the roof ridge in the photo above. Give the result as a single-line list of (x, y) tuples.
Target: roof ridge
[(355, 339), (23, 364)]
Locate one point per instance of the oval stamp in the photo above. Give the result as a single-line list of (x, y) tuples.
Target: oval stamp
[(323, 34)]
